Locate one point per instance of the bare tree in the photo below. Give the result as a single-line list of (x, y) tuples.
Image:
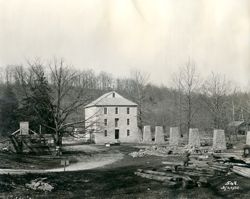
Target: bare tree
[(67, 95), (138, 93), (9, 72), (215, 92), (244, 105), (105, 81), (187, 83), (178, 98)]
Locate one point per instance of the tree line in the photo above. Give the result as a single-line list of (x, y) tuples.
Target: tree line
[(53, 94)]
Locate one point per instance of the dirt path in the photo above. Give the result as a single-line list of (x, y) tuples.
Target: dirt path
[(95, 162)]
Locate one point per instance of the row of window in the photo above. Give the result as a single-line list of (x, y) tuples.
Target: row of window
[(106, 133), (116, 122), (116, 110)]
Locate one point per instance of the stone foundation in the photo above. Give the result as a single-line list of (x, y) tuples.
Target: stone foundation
[(174, 136), (194, 138), (147, 136), (219, 140), (248, 138), (159, 135)]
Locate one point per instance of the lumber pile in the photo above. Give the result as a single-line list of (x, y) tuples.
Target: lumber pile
[(237, 163), (172, 180), (198, 172), (194, 169), (218, 167)]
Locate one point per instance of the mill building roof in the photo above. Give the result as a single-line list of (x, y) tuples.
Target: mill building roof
[(111, 99)]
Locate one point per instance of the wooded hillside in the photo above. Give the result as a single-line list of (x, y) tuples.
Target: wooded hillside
[(53, 94)]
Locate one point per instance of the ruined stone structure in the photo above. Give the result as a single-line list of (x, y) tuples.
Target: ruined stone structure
[(248, 138), (219, 140), (25, 140), (174, 136), (147, 135), (159, 135), (194, 138), (112, 118)]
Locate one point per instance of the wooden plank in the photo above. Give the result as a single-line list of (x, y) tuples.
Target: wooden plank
[(219, 169), (220, 166), (173, 163), (15, 132), (33, 132), (161, 176), (154, 177), (243, 171), (210, 171), (227, 155), (154, 172), (189, 173)]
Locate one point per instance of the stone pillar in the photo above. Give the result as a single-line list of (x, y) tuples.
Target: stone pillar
[(194, 138), (147, 136), (219, 140), (174, 136), (159, 135), (248, 138)]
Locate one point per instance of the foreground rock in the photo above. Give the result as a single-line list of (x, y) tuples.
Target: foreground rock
[(39, 184)]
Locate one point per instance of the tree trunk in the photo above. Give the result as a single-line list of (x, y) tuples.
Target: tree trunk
[(58, 139)]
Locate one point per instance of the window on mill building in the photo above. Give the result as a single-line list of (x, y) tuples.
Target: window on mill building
[(116, 122), (116, 110), (105, 110)]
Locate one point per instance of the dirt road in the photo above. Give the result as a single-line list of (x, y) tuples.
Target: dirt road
[(84, 162)]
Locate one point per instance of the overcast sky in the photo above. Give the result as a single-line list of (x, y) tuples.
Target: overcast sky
[(156, 36)]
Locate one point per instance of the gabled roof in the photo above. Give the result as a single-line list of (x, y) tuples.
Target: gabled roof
[(235, 123), (111, 99)]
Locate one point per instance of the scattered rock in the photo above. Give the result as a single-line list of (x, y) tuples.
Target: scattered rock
[(139, 154), (5, 149), (157, 151), (202, 182)]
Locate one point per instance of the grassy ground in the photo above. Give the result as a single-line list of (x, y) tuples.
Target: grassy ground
[(117, 181), (16, 161)]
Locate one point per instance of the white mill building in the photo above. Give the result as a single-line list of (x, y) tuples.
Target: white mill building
[(112, 118)]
